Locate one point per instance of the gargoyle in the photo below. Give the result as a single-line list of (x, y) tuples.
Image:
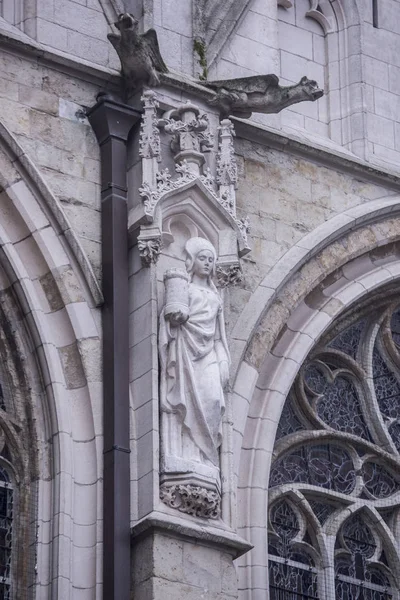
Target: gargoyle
[(139, 53), (260, 93)]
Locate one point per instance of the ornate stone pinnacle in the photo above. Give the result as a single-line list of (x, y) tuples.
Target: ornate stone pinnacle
[(149, 142), (226, 161), (227, 174)]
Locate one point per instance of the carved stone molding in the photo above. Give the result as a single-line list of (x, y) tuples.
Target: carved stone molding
[(213, 24), (316, 13), (192, 500), (228, 275), (285, 3)]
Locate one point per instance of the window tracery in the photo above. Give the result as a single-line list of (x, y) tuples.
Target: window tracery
[(291, 568), (6, 517), (338, 450)]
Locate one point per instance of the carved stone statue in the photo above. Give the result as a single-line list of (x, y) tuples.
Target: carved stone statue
[(194, 365), (139, 53), (260, 93)]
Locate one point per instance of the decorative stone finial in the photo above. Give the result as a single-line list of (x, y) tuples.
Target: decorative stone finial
[(227, 175), (140, 57), (260, 93)]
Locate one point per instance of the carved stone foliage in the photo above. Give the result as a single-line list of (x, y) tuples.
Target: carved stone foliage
[(192, 500), (149, 250), (229, 275), (190, 133)]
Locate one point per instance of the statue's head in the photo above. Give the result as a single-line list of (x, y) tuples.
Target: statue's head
[(310, 87), (201, 257), (126, 21)]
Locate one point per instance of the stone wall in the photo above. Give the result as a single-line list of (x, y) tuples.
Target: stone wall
[(44, 108), (286, 198)]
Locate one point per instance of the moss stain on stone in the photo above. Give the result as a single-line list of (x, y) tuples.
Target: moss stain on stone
[(199, 48)]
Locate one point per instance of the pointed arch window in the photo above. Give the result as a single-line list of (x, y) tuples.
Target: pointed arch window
[(291, 568), (359, 574), (6, 518), (336, 468)]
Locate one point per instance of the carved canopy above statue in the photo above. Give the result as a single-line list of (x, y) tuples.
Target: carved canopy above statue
[(208, 200)]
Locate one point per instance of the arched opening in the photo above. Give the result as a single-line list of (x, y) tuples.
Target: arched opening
[(337, 451)]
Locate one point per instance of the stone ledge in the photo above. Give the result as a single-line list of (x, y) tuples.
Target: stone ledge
[(328, 156), (183, 528), (14, 40)]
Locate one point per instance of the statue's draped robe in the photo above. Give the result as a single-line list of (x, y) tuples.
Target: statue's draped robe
[(190, 374)]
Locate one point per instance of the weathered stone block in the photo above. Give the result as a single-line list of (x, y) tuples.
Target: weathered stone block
[(72, 366), (168, 566)]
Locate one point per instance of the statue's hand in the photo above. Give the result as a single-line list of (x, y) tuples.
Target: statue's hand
[(177, 318), (224, 373)]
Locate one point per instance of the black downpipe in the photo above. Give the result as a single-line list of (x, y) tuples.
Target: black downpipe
[(112, 122)]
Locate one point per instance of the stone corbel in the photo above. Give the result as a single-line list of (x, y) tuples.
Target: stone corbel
[(149, 246)]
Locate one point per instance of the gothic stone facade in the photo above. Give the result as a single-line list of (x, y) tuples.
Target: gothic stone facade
[(112, 497)]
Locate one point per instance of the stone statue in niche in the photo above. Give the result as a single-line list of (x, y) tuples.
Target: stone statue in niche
[(194, 370)]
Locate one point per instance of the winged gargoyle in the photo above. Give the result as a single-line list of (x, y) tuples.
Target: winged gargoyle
[(260, 93), (139, 54)]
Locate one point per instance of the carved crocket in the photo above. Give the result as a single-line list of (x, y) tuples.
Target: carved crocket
[(139, 54), (260, 93)]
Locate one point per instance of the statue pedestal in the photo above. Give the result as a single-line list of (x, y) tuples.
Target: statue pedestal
[(192, 488), (175, 558)]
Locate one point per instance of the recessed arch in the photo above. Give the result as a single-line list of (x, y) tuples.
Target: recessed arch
[(31, 196), (48, 294), (268, 381)]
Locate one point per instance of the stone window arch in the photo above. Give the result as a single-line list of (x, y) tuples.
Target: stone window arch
[(335, 472)]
